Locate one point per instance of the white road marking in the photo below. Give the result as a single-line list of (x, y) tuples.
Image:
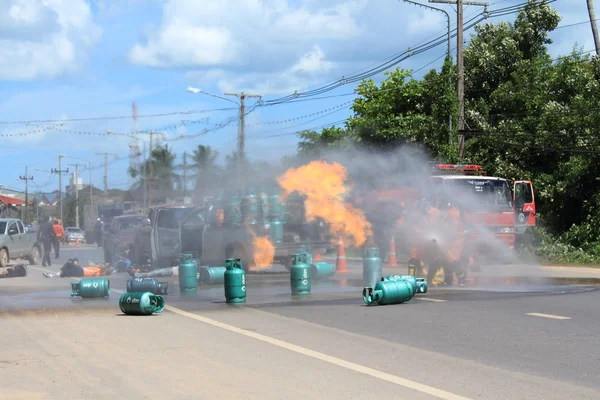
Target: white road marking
[(432, 300), (547, 316), (429, 390), (419, 387)]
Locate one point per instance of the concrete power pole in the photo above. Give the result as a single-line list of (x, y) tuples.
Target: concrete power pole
[(106, 170), (26, 178), (590, 6), (241, 128), (460, 86), (77, 192), (59, 171)]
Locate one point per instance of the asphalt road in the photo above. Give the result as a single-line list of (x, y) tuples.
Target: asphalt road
[(500, 338)]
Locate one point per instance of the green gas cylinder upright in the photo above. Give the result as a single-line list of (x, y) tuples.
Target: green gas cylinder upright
[(234, 281), (274, 207), (372, 266), (147, 285), (265, 205), (252, 209), (388, 292), (88, 288), (300, 274), (276, 231), (141, 303), (188, 274), (233, 211)]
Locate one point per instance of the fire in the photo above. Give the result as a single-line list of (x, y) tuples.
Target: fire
[(264, 253), (324, 186)]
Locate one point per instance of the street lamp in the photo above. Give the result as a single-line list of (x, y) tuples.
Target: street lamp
[(194, 90)]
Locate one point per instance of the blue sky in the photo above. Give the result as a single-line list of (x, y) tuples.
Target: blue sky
[(63, 60)]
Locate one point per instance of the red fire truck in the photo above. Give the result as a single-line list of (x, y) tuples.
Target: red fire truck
[(488, 205)]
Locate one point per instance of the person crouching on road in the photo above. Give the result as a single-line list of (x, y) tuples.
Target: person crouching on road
[(72, 269), (60, 235), (124, 264)]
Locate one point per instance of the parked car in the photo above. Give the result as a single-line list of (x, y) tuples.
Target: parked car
[(120, 235), (16, 242), (72, 234)]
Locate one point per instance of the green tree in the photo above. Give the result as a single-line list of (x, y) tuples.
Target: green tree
[(161, 165), (205, 169)]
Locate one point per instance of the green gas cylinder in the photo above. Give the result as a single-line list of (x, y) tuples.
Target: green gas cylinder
[(265, 206), (234, 281), (251, 208), (419, 285), (276, 231), (274, 207), (300, 274), (372, 266), (233, 212), (321, 270), (388, 292), (147, 285), (212, 275), (87, 288), (141, 303), (188, 280)]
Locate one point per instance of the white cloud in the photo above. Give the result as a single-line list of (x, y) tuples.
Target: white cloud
[(240, 32), (312, 62), (44, 39)]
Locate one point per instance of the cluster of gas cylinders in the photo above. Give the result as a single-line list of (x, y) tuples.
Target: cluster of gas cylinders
[(144, 296)]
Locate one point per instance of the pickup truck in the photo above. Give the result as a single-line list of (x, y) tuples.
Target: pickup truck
[(179, 229), (16, 242), (120, 235)]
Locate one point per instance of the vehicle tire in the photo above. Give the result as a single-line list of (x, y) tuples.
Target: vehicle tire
[(4, 258), (34, 258), (236, 250)]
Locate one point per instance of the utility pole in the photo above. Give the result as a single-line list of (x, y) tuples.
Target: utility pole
[(240, 141), (149, 177), (590, 6), (77, 193), (105, 170), (460, 86), (26, 178), (59, 171)]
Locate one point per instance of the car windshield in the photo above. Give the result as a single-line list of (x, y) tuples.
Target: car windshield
[(2, 227), (481, 193), (171, 217), (130, 224), (73, 230)]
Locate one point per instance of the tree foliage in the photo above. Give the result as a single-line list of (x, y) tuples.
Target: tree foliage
[(529, 117)]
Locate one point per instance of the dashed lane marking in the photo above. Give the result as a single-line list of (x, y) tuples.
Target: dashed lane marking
[(432, 300), (547, 316)]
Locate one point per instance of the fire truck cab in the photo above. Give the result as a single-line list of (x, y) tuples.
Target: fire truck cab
[(488, 203)]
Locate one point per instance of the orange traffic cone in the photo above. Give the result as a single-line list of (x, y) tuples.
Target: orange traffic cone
[(317, 257), (77, 242), (340, 264), (391, 256)]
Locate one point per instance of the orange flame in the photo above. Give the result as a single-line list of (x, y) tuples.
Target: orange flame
[(324, 186), (264, 252)]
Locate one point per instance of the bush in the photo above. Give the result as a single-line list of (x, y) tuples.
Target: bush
[(539, 242)]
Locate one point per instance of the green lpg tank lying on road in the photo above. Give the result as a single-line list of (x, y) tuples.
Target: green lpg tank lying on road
[(88, 288), (419, 284), (141, 303), (234, 281), (147, 285), (321, 270), (188, 274), (211, 275), (300, 274), (372, 266), (388, 292)]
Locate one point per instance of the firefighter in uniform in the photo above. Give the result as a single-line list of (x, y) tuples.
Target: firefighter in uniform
[(449, 252)]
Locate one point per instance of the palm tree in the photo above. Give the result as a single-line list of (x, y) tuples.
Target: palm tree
[(206, 170), (163, 172)]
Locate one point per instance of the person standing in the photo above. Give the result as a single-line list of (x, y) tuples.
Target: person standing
[(98, 232), (60, 234), (46, 236)]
